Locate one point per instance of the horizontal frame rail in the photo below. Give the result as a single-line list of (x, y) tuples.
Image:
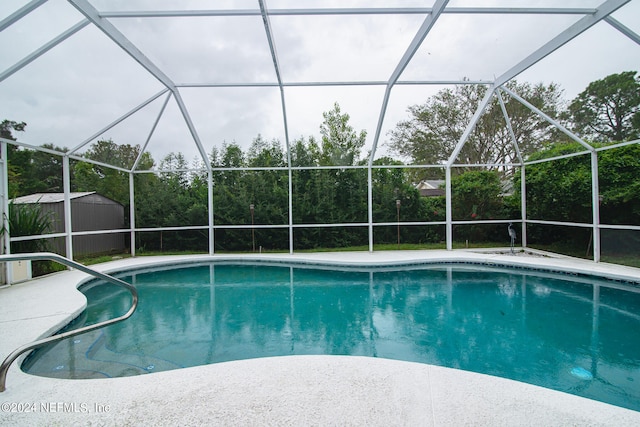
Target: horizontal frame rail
[(324, 225)]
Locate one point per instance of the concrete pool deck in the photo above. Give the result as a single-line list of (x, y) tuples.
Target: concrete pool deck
[(291, 390)]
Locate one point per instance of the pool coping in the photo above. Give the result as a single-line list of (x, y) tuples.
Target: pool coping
[(286, 390)]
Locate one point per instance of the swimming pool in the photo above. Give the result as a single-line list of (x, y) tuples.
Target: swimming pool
[(570, 333)]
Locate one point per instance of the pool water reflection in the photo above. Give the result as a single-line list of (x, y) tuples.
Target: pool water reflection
[(574, 334)]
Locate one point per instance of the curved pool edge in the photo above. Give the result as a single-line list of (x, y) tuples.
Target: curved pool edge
[(491, 257), (291, 390)]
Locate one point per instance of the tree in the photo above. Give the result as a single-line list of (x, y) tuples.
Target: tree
[(47, 170), (341, 144), (18, 159), (178, 179), (329, 195), (560, 190), (619, 181), (430, 135), (268, 192), (342, 195), (608, 109), (391, 185), (477, 195), (263, 153), (124, 155), (7, 127), (31, 171), (34, 171), (107, 181), (230, 201), (304, 202)]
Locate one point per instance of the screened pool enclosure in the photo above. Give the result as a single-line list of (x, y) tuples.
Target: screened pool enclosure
[(186, 85)]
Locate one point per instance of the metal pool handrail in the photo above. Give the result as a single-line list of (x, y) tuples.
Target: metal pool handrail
[(4, 368)]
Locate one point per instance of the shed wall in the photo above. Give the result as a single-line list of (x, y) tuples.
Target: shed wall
[(88, 213), (96, 212)]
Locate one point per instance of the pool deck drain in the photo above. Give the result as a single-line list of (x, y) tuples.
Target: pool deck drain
[(291, 390)]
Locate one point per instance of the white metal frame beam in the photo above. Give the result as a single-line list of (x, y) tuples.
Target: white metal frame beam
[(62, 154), (472, 124), (68, 224), (413, 47), (415, 44), (192, 129), (335, 83), (523, 183), (132, 215), (456, 151), (590, 17), (623, 29), (507, 120), (43, 49), (547, 118), (84, 7), (347, 11), (151, 132), (595, 186), (276, 65), (21, 13), (118, 120), (588, 21), (4, 193)]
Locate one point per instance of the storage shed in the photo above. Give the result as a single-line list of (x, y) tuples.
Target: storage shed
[(89, 212)]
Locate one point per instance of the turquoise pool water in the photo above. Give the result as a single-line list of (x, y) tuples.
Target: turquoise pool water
[(574, 334)]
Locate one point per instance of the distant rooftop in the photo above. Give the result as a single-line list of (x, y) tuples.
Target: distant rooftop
[(430, 184), (431, 188)]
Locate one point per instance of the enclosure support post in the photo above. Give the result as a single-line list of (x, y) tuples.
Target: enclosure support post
[(66, 184), (595, 201), (132, 216), (290, 196), (421, 34), (276, 67), (4, 190), (523, 204), (449, 209), (370, 206), (523, 198), (210, 210)]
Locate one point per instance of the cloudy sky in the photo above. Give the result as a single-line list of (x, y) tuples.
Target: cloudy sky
[(82, 85)]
